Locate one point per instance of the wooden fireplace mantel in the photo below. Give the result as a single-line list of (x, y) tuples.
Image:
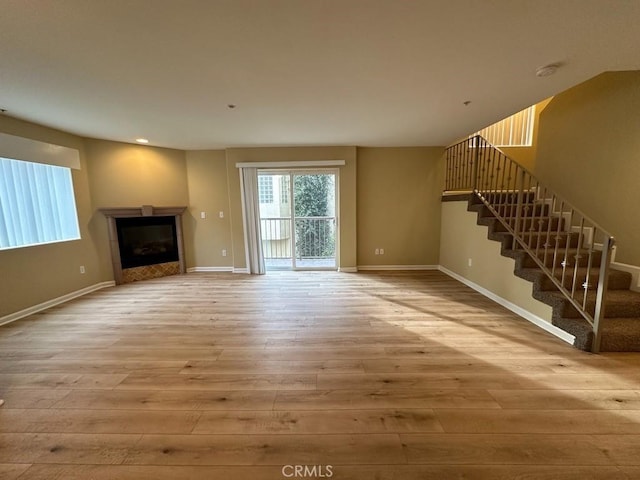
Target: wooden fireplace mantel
[(143, 211)]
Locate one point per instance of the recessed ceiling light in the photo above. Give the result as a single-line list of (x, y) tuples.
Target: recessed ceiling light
[(142, 140), (547, 70)]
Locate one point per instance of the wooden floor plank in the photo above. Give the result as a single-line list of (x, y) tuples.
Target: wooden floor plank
[(319, 421), (168, 400), (97, 421), (502, 380), (387, 398), (508, 449), (540, 421), (273, 366), (12, 471), (92, 366), (32, 398), (564, 399), (66, 448), (266, 450), (227, 381), (60, 380)]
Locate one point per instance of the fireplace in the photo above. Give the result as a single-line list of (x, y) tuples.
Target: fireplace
[(145, 242)]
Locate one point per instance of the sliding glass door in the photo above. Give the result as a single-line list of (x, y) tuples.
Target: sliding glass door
[(298, 219)]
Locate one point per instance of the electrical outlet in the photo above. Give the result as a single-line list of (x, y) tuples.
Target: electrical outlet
[(82, 270), (382, 251), (221, 214), (377, 251), (470, 262), (224, 252), (203, 214)]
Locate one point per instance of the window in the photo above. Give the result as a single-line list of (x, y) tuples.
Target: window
[(265, 189), (284, 189), (37, 204), (514, 131)]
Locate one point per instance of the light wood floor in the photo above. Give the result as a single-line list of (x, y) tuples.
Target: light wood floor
[(385, 376)]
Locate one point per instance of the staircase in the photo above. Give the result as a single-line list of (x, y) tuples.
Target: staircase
[(562, 252)]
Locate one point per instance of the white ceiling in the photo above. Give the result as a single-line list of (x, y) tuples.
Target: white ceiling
[(301, 72)]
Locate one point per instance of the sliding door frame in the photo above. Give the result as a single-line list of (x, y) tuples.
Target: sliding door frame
[(292, 172)]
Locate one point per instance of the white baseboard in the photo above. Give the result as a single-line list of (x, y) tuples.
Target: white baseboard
[(633, 270), (540, 322), (12, 317), (348, 269), (397, 267), (209, 269), (244, 270)]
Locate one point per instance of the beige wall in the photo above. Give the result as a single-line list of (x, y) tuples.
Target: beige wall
[(398, 200), (347, 258), (126, 175), (33, 275), (589, 152), (462, 239), (208, 192)]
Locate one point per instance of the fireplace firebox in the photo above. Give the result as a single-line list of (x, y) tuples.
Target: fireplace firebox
[(147, 241)]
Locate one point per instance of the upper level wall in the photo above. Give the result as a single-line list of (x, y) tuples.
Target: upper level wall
[(589, 152)]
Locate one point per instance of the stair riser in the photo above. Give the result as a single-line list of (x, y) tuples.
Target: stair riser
[(611, 310), (505, 198), (538, 225), (537, 242), (617, 281), (527, 210), (583, 261)]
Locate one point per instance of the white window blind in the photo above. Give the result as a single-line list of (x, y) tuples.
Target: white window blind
[(37, 204), (514, 131)]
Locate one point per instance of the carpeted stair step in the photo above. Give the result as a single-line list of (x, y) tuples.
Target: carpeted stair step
[(537, 241), (526, 210), (542, 225), (548, 260), (620, 303), (618, 280), (619, 334)]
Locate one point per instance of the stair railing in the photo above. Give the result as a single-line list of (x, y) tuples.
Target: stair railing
[(571, 249)]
